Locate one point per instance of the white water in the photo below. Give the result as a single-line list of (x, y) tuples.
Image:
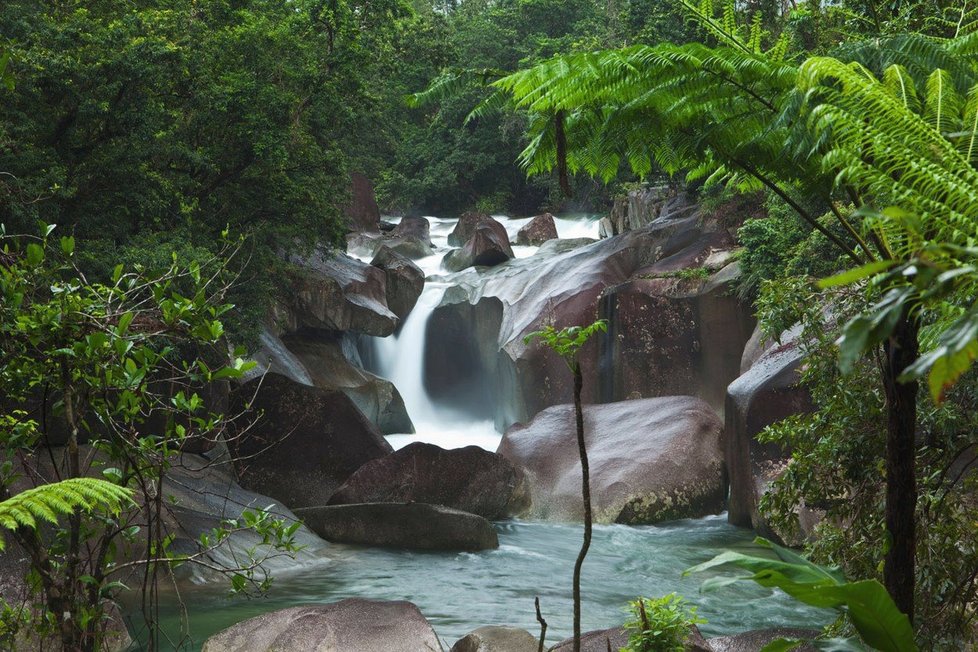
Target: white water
[(400, 357)]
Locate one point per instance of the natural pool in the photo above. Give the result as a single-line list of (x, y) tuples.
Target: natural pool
[(458, 592)]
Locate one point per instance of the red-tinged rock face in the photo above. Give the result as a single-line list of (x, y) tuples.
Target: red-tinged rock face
[(538, 230)]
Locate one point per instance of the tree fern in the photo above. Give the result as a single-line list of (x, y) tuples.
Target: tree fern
[(48, 502)]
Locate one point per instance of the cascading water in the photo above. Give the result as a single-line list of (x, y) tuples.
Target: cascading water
[(400, 358), (458, 592)]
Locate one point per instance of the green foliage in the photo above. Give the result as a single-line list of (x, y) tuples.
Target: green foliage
[(660, 624), (865, 603), (49, 501), (566, 342), (121, 369)]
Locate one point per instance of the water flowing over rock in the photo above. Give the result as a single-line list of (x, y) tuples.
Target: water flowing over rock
[(405, 280), (345, 626), (470, 479), (305, 442), (537, 231), (411, 238), (496, 639), (418, 526), (768, 392), (332, 291), (651, 460), (362, 213), (484, 249), (477, 333)]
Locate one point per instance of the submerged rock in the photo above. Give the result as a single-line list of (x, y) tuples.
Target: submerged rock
[(305, 442), (352, 625), (496, 639), (470, 479), (651, 460), (418, 526)]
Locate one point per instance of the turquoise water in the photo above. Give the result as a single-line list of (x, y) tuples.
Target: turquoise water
[(458, 592)]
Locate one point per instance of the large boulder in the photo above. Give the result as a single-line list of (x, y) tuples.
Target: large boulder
[(651, 460), (537, 231), (332, 291), (411, 238), (485, 248), (497, 639), (471, 222), (470, 479), (345, 626), (305, 442), (326, 357), (755, 640), (617, 637), (643, 206), (768, 392), (362, 214), (405, 280), (417, 526)]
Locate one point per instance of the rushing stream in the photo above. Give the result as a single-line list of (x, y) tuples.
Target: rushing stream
[(458, 592)]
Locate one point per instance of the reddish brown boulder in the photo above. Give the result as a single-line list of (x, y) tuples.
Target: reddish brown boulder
[(537, 231), (651, 460), (485, 248), (470, 222), (470, 479), (305, 442)]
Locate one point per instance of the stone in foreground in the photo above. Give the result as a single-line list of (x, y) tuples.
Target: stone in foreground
[(617, 638), (496, 639), (470, 479), (755, 640), (651, 460), (353, 625), (418, 526)]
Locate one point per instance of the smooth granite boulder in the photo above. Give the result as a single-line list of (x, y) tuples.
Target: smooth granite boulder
[(497, 639), (485, 248), (417, 526), (305, 442), (651, 460), (470, 479), (469, 223), (537, 231), (405, 280), (352, 625)]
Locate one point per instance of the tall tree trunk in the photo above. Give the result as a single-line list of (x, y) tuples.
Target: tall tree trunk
[(901, 350), (586, 493)]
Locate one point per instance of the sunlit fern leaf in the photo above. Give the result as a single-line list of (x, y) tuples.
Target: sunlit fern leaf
[(899, 82), (942, 104), (48, 502)]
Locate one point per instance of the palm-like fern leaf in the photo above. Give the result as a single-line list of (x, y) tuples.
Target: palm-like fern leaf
[(47, 502)]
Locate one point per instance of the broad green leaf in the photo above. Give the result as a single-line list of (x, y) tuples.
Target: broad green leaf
[(857, 274)]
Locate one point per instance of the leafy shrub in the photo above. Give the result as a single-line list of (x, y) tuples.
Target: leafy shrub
[(660, 624)]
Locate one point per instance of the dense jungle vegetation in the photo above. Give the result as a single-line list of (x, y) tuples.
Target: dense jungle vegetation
[(150, 130)]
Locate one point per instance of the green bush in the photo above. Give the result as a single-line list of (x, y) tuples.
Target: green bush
[(660, 624)]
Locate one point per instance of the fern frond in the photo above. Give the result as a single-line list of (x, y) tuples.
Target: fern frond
[(49, 501)]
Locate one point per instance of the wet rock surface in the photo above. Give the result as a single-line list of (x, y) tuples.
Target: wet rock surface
[(537, 231), (417, 526), (345, 626), (306, 442), (470, 479), (651, 460), (497, 639)]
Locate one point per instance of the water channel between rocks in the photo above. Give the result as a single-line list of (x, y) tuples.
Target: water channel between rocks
[(458, 592)]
